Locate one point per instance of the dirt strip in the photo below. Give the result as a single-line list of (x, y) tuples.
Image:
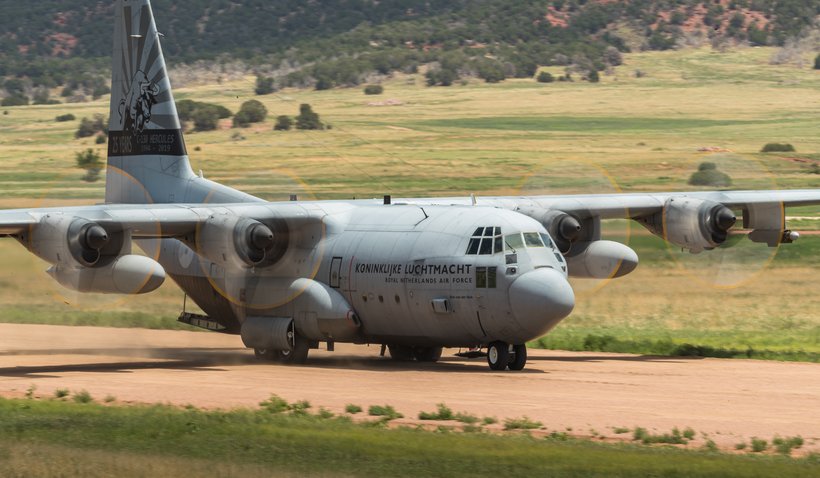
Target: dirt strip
[(586, 394)]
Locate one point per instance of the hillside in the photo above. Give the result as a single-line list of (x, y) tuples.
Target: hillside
[(325, 43)]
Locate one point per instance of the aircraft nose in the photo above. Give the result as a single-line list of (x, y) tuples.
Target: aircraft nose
[(540, 298)]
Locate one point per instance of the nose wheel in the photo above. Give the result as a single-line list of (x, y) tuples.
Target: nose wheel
[(501, 355)]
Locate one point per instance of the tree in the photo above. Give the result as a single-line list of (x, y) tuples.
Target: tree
[(91, 162), (817, 62), (205, 119), (612, 56), (545, 77), (593, 76), (264, 85), (307, 118), (373, 89), (708, 175), (491, 71), (251, 111), (283, 123)]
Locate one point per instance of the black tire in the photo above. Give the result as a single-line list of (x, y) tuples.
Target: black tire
[(400, 353), (498, 355), (299, 353), (427, 354), (519, 358)]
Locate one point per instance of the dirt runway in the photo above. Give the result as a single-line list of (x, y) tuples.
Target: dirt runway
[(588, 394)]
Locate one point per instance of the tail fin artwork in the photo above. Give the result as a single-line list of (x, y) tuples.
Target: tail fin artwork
[(147, 158)]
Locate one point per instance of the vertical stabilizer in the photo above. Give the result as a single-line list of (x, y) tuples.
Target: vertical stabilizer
[(147, 159)]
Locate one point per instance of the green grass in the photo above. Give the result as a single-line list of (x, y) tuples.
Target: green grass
[(159, 437)]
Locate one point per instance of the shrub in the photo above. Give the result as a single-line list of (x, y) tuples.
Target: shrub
[(545, 77), (14, 100), (442, 413), (307, 118), (593, 76), (283, 123), (620, 430), (90, 127), (353, 409), (205, 119), (817, 62), (639, 434), (251, 111), (441, 77), (100, 139), (491, 71), (759, 445), (275, 404), (740, 446), (91, 161), (710, 445), (523, 423), (777, 148), (83, 397), (373, 89), (300, 408), (65, 117), (61, 393), (264, 85), (489, 420), (688, 433), (785, 445), (386, 411), (708, 175), (324, 413)]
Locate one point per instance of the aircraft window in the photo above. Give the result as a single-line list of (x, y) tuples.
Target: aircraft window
[(481, 277), (486, 246), (488, 231), (499, 244), (532, 239), (497, 231), (547, 240), (479, 232), (491, 274), (472, 248), (514, 241)]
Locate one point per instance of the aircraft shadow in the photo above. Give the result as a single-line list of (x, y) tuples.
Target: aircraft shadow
[(616, 358)]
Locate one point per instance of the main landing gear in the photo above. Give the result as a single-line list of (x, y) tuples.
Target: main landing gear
[(403, 353), (501, 355), (297, 355)]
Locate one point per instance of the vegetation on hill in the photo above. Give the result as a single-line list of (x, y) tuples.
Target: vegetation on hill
[(327, 43)]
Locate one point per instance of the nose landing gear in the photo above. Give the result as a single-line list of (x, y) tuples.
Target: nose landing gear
[(501, 355)]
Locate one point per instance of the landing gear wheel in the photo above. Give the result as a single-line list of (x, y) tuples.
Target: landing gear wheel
[(427, 354), (400, 353), (264, 354), (519, 358), (296, 356), (498, 355)]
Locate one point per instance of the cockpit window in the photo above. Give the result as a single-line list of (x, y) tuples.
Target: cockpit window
[(533, 239), (486, 241), (547, 240), (514, 241)]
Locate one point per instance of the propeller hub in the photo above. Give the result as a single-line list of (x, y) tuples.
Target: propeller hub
[(261, 237), (725, 218), (95, 237)]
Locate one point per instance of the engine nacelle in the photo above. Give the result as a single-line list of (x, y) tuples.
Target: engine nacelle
[(563, 228), (692, 224), (72, 241), (128, 274), (601, 260), (231, 240)]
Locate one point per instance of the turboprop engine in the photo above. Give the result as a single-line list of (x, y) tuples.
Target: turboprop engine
[(87, 257), (251, 243), (692, 224), (601, 260)]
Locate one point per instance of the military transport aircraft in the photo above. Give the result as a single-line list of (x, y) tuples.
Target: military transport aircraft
[(414, 275)]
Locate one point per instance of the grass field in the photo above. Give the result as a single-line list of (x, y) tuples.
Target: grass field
[(519, 136), (59, 438)]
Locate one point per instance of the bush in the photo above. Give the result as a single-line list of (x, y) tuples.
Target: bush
[(61, 393), (593, 76), (523, 423), (785, 445), (205, 119), (66, 117), (251, 111), (545, 77), (441, 77), (491, 71), (275, 404), (90, 127), (283, 123), (708, 175), (443, 412), (91, 161), (15, 100), (83, 397), (777, 148), (817, 62), (264, 85), (101, 138), (759, 445), (307, 118), (353, 409), (373, 89), (386, 411)]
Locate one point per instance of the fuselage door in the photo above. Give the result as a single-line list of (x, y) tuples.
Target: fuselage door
[(335, 272)]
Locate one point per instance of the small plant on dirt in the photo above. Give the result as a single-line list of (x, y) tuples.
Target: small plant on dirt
[(299, 408), (489, 420), (740, 446), (639, 434), (83, 397), (558, 436), (785, 445), (710, 445), (324, 413), (522, 423), (61, 393), (353, 409), (759, 445), (275, 404), (620, 430), (689, 433), (466, 418), (443, 412), (110, 398), (30, 391), (386, 411)]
